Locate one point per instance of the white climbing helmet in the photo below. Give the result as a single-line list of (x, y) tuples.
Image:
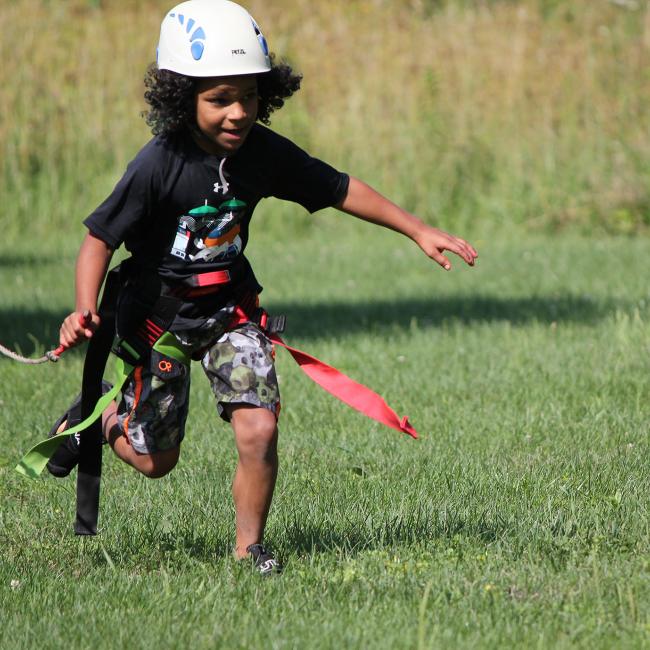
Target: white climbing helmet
[(211, 38)]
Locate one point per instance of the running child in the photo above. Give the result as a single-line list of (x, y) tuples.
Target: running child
[(183, 209)]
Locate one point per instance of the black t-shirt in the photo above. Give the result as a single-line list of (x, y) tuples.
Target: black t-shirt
[(181, 211)]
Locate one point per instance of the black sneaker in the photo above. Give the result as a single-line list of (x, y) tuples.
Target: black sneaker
[(263, 561), (66, 457)]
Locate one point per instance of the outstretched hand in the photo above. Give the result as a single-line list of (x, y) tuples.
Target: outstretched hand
[(77, 327), (434, 242), (366, 203)]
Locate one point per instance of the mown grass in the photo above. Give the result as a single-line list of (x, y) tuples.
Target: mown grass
[(519, 518)]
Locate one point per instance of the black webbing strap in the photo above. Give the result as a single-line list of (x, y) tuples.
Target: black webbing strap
[(130, 348), (90, 441)]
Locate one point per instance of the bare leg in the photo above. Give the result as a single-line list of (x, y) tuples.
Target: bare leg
[(256, 437), (153, 465)]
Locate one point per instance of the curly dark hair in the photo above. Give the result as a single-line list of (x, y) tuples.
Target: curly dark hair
[(171, 96)]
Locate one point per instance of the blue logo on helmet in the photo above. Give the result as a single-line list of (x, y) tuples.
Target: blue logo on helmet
[(196, 38), (260, 37)]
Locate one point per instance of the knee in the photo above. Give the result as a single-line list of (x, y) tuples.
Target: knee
[(156, 465), (256, 435), (156, 471)]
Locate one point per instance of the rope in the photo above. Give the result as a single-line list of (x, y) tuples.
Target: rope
[(48, 356), (52, 355)]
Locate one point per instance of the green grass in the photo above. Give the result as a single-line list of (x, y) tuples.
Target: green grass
[(520, 518)]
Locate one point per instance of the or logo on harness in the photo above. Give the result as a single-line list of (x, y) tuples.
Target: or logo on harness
[(165, 366)]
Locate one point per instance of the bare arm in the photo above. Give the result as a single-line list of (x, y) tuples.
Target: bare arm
[(92, 264), (363, 202)]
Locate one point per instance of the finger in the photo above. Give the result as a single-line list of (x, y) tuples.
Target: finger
[(65, 339), (66, 333), (68, 338), (86, 318), (469, 256), (442, 260), (86, 322), (455, 246), (466, 251), (72, 330), (471, 249)]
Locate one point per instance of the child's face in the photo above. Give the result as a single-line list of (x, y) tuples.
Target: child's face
[(226, 109)]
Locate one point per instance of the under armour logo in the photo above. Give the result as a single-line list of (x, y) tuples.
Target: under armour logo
[(218, 187)]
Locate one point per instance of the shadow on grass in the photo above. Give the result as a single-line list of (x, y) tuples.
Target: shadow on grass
[(349, 537), (20, 329), (382, 532), (321, 320), (330, 319), (147, 549), (11, 260)]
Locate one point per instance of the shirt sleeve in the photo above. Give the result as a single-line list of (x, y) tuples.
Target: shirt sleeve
[(304, 179), (129, 204)]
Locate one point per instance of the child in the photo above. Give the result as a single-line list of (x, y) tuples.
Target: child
[(183, 209)]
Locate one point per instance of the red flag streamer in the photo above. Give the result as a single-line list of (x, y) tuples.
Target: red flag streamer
[(356, 395)]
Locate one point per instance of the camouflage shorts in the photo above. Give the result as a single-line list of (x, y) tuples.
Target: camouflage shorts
[(241, 370)]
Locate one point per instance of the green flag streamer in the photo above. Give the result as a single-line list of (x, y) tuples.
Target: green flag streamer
[(35, 460)]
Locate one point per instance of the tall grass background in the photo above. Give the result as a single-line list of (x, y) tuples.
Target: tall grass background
[(474, 114)]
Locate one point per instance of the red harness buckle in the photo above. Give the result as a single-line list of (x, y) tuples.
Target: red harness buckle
[(210, 279)]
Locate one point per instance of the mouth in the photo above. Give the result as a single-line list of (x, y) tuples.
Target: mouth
[(235, 134)]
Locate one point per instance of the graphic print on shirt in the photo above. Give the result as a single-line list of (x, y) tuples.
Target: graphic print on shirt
[(207, 234)]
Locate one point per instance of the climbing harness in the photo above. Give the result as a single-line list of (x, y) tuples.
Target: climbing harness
[(148, 333)]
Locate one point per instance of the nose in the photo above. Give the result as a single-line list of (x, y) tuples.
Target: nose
[(237, 112)]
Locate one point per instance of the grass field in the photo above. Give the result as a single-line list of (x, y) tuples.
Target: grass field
[(519, 518)]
